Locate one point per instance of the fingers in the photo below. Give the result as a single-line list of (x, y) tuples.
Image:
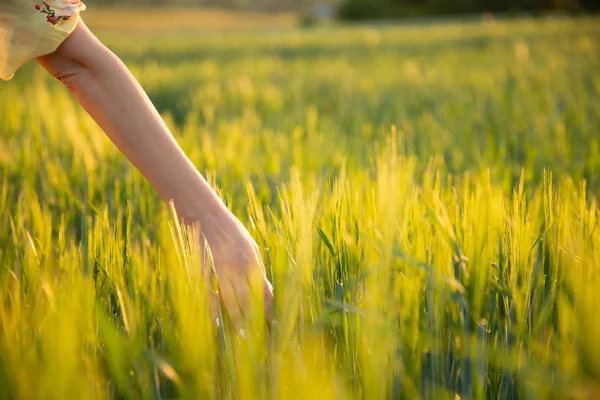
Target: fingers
[(261, 290), (232, 306), (242, 285), (245, 299), (268, 300), (213, 304), (242, 298)]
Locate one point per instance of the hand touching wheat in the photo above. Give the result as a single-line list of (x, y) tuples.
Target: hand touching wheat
[(242, 282)]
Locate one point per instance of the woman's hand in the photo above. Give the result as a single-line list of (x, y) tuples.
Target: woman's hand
[(240, 272)]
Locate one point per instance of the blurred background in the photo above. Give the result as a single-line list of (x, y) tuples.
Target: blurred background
[(236, 14), (370, 9)]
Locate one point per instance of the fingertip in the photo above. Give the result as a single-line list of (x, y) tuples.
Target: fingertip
[(213, 306), (268, 301), (232, 306), (269, 286)]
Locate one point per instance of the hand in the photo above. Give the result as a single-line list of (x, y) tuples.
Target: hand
[(240, 271)]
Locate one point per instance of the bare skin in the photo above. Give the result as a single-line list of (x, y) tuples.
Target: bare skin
[(106, 89)]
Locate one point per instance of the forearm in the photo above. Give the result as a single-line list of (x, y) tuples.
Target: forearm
[(111, 95)]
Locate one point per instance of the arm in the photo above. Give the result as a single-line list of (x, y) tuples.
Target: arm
[(110, 94)]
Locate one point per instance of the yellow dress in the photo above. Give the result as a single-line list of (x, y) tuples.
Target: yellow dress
[(33, 28)]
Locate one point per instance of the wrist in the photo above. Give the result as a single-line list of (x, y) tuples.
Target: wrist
[(199, 205)]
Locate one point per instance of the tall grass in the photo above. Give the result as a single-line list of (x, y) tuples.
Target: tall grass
[(425, 200)]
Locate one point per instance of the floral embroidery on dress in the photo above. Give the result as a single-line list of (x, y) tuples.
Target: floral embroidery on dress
[(50, 13)]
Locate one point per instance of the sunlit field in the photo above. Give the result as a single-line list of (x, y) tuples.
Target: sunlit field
[(425, 197)]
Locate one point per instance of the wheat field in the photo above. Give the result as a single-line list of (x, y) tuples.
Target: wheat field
[(425, 197)]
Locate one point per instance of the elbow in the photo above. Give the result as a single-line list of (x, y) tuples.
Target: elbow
[(71, 63), (72, 76), (68, 70)]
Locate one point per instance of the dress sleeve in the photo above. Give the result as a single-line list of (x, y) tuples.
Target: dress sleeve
[(33, 28)]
